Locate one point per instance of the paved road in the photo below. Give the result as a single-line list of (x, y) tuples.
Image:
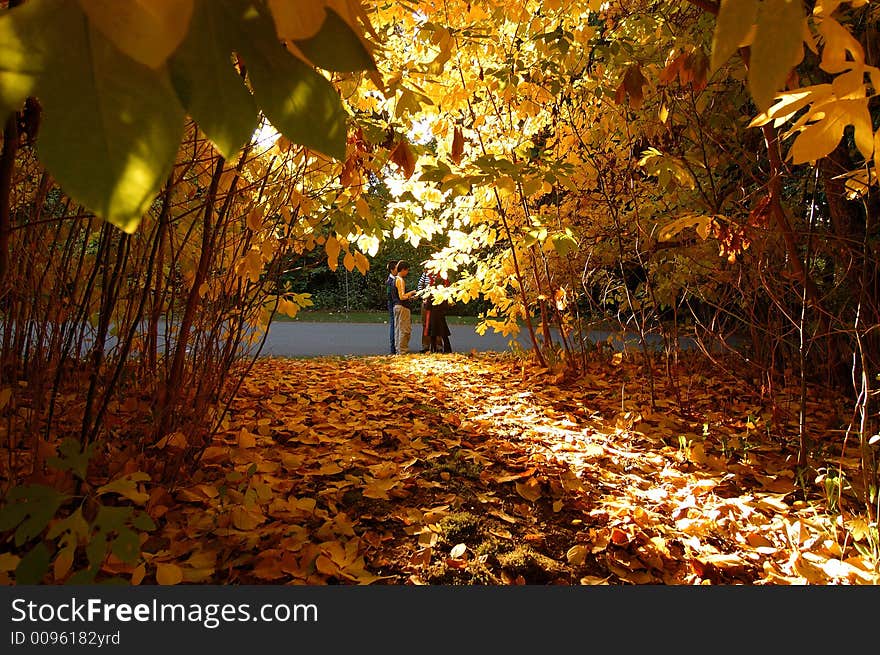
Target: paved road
[(302, 339)]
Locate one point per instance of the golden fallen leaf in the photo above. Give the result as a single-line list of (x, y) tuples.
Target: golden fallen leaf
[(530, 489), (138, 574), (246, 519), (594, 580), (576, 555), (246, 439), (168, 574), (378, 487)]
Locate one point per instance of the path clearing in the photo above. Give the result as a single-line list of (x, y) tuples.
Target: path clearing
[(455, 469)]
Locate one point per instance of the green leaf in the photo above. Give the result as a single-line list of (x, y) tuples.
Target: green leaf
[(336, 47), (298, 101), (110, 128), (96, 550), (12, 515), (126, 546), (86, 576), (33, 566), (564, 244), (72, 458), (777, 48), (735, 19), (112, 519), (29, 37), (30, 508), (74, 525), (143, 521), (208, 85)]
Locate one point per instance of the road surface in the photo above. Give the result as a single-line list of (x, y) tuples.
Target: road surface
[(303, 339)]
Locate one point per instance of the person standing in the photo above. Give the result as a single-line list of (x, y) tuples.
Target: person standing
[(389, 283), (402, 313), (438, 329)]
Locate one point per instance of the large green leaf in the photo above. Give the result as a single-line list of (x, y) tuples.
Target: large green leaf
[(297, 100), (33, 566), (336, 47), (111, 127), (126, 546), (29, 36), (29, 508), (206, 82), (777, 48)]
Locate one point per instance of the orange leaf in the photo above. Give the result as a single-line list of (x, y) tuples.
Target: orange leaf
[(168, 574), (404, 158), (457, 150), (137, 576)]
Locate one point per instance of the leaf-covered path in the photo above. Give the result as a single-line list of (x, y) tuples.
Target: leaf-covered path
[(456, 469)]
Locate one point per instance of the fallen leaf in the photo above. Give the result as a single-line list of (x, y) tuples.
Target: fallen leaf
[(458, 551), (168, 574), (530, 489)]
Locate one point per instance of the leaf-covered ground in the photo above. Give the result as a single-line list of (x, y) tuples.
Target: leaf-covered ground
[(457, 469)]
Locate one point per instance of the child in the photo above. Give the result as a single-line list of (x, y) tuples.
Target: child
[(392, 275)]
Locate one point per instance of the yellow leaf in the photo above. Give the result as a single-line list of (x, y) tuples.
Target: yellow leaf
[(594, 580), (778, 47), (701, 223), (378, 488), (791, 102), (877, 152), (127, 487), (246, 519), (326, 566), (363, 209), (841, 51), (577, 554), (297, 20), (148, 31), (348, 261), (330, 468), (735, 20), (332, 247), (255, 218), (361, 263), (246, 439), (821, 137), (168, 574)]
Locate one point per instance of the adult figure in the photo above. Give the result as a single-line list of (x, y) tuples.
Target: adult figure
[(402, 313), (438, 329), (389, 283)]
